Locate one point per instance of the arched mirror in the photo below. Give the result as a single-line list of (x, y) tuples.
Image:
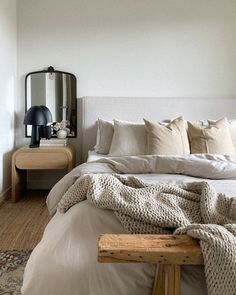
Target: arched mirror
[(57, 91)]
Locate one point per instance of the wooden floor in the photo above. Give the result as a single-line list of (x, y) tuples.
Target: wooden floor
[(22, 224)]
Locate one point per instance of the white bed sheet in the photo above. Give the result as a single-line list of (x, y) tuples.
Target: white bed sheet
[(93, 156)]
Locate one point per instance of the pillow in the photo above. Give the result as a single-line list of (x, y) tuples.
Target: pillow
[(232, 129), (129, 139), (214, 138), (167, 139), (105, 132)]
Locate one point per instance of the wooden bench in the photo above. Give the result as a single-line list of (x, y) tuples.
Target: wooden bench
[(168, 251)]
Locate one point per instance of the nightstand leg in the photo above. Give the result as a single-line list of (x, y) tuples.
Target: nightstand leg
[(19, 179)]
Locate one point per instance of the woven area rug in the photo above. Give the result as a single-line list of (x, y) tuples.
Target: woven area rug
[(12, 265)]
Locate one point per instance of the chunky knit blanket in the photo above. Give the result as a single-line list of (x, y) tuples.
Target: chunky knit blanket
[(194, 209)]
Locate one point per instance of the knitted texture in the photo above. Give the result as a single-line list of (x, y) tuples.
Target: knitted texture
[(193, 208)]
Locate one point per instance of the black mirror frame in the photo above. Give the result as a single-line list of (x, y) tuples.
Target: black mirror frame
[(52, 70)]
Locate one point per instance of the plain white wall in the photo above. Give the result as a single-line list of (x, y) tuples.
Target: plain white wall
[(183, 48), (7, 90), (131, 47)]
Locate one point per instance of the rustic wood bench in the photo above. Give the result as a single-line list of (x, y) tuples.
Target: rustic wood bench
[(168, 251)]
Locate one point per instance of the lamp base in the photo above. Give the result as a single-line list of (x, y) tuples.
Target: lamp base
[(35, 137), (34, 145)]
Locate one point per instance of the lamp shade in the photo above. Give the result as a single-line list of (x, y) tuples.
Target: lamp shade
[(40, 118), (48, 114), (35, 116)]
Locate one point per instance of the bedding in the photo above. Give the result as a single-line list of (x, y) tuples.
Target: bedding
[(65, 261), (105, 132), (214, 138), (128, 139), (167, 139), (161, 208), (232, 128), (205, 136), (94, 156), (231, 124), (120, 138)]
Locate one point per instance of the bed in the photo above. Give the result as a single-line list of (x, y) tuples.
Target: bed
[(65, 261)]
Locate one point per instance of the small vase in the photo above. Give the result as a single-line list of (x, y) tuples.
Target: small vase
[(67, 130), (61, 133)]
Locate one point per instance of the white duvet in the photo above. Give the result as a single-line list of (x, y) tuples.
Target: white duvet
[(65, 261)]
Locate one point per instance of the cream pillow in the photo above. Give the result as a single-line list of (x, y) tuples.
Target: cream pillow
[(232, 129), (167, 139), (105, 132), (214, 138), (129, 139)]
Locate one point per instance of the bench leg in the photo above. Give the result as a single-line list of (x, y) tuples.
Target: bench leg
[(167, 280)]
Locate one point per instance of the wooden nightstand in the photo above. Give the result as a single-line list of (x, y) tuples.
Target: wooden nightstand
[(42, 158)]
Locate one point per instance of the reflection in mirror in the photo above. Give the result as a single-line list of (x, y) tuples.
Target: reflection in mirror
[(57, 91)]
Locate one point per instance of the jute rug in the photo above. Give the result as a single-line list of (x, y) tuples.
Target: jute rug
[(12, 264)]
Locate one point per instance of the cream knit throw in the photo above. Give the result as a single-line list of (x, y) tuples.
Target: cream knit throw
[(194, 209)]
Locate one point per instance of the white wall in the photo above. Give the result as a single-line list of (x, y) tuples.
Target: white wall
[(131, 47), (7, 89), (153, 48)]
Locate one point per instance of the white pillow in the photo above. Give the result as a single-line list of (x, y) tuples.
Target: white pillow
[(129, 139), (105, 132), (232, 129)]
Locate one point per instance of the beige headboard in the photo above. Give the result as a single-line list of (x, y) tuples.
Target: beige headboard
[(135, 109)]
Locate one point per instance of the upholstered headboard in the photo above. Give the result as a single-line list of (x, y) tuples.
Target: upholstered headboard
[(135, 109)]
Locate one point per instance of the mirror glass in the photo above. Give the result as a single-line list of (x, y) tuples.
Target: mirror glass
[(57, 91)]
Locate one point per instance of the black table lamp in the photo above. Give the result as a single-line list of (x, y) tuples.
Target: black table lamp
[(40, 118)]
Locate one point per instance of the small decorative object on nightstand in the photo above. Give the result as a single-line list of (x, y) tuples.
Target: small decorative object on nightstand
[(62, 128), (43, 158), (61, 134)]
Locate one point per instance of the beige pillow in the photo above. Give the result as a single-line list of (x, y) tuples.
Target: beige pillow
[(129, 139), (167, 139), (105, 132), (214, 138)]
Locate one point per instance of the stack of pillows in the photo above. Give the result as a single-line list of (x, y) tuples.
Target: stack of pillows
[(177, 137)]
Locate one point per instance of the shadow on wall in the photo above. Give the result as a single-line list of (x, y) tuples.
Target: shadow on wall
[(6, 153), (6, 177)]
